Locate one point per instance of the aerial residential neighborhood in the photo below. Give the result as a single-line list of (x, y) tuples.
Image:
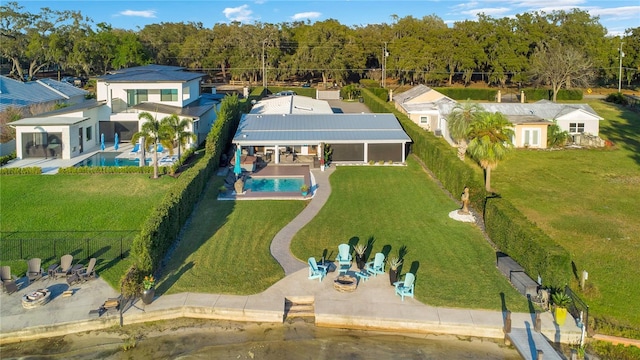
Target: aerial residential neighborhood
[(455, 185)]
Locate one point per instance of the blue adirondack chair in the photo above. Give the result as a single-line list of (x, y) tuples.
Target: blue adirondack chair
[(405, 288), (376, 266), (316, 271), (344, 258)]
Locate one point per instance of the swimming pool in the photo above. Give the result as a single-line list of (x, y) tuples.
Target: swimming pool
[(274, 184), (108, 159)]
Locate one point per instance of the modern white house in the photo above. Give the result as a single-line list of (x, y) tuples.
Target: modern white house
[(121, 96)]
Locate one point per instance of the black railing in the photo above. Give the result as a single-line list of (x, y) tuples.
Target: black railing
[(578, 308), (50, 245)]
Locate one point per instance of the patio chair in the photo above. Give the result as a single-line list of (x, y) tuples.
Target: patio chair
[(344, 258), (88, 272), (405, 288), (34, 271), (316, 271), (8, 281), (376, 266), (64, 269), (135, 152)]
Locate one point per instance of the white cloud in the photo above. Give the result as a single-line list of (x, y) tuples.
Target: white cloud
[(306, 15), (140, 13), (240, 13), (493, 12)]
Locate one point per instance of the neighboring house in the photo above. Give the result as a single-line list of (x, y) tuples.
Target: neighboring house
[(121, 96), (352, 137), (430, 109), (160, 90), (421, 104), (292, 104), (45, 92)]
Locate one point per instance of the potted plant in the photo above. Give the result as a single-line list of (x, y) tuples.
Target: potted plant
[(359, 250), (304, 189), (148, 284), (394, 263), (561, 301)]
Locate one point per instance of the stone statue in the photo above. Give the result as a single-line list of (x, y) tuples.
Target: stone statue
[(239, 186), (465, 202)]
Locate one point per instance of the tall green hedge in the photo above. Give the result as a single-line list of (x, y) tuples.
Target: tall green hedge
[(162, 226), (468, 93), (509, 229), (547, 94)]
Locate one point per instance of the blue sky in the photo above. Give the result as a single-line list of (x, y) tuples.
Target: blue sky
[(616, 16)]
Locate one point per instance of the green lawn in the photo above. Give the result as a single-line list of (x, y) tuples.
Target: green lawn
[(108, 202), (225, 249), (402, 206), (587, 201)]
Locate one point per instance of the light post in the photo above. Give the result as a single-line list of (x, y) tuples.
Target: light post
[(264, 68), (620, 74)]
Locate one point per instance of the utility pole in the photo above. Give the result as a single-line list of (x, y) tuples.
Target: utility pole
[(385, 53), (264, 68), (620, 74)]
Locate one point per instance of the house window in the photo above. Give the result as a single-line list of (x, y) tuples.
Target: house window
[(136, 96), (169, 95), (89, 133), (531, 137), (424, 119), (576, 128)]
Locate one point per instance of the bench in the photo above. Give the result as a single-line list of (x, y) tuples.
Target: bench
[(524, 284), (507, 265)]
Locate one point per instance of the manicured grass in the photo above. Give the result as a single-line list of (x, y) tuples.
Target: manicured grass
[(226, 246), (587, 200), (109, 202), (402, 206)]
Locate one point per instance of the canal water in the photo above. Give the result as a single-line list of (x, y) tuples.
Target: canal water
[(205, 339)]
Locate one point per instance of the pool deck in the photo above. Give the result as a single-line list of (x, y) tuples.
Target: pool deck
[(273, 171)]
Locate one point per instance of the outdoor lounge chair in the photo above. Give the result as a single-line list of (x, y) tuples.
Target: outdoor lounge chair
[(405, 288), (316, 271), (135, 152), (34, 271), (344, 258), (376, 266), (64, 268), (88, 272), (8, 281)]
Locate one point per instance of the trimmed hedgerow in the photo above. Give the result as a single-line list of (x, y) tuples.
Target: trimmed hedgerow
[(34, 170), (469, 93), (111, 170)]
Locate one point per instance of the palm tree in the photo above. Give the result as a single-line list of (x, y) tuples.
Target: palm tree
[(489, 141), (459, 120), (153, 132), (178, 133)]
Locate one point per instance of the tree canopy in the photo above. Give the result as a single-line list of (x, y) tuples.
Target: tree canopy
[(497, 51)]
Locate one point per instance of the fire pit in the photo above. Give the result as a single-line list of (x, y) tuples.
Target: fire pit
[(36, 298), (345, 283)]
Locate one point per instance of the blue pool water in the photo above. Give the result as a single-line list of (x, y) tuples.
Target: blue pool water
[(108, 159), (274, 184)]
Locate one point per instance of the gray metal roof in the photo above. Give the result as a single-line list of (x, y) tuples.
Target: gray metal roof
[(195, 109), (19, 94), (48, 121), (150, 73), (411, 93), (305, 129), (543, 109)]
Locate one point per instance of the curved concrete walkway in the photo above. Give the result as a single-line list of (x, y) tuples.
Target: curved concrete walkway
[(280, 245)]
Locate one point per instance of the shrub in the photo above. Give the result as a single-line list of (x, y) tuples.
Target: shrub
[(6, 158), (369, 83), (34, 170), (469, 93), (617, 98)]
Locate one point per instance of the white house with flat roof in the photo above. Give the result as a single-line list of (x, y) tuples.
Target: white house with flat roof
[(121, 96)]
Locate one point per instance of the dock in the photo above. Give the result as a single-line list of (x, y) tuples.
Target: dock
[(532, 345)]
